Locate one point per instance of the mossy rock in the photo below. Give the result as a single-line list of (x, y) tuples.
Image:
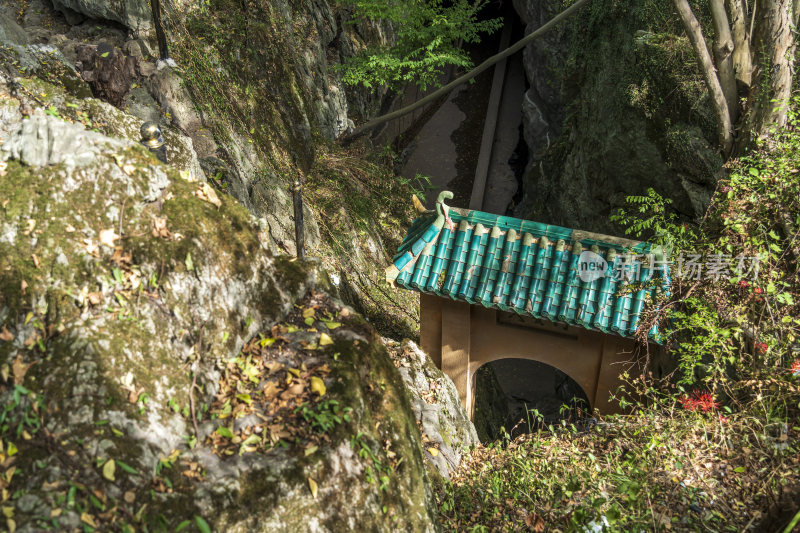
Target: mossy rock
[(124, 291)]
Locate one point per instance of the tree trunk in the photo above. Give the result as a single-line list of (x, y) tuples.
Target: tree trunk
[(773, 50), (692, 27), (742, 62), (723, 56)]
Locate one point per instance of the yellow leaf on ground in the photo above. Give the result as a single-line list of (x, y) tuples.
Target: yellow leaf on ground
[(31, 224), (433, 451), (88, 519), (313, 486), (325, 339), (307, 313), (8, 512), (318, 386), (12, 526), (108, 469)]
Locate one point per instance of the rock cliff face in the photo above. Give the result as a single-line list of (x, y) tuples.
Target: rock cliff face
[(251, 99), (447, 432), (158, 364), (253, 84), (613, 109)]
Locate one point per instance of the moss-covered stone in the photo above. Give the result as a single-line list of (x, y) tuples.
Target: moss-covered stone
[(124, 289)]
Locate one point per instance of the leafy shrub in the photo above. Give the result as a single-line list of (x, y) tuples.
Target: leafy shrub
[(428, 37)]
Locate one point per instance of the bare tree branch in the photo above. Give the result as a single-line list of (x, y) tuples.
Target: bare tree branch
[(720, 104)]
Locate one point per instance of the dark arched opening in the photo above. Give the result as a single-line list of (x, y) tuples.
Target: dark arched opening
[(517, 396)]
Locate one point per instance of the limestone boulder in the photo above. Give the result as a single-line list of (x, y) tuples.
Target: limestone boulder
[(447, 431), (133, 14)]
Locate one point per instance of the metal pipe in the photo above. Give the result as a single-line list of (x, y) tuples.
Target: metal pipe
[(297, 200)]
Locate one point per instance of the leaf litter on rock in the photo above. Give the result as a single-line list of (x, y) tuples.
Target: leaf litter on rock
[(278, 373)]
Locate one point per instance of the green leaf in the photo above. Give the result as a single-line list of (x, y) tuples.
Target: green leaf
[(739, 469), (309, 321), (189, 262), (245, 398), (332, 325), (104, 54), (251, 440), (183, 525), (224, 432), (202, 525), (126, 467)]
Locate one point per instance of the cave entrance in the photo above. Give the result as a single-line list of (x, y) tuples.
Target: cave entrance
[(517, 396)]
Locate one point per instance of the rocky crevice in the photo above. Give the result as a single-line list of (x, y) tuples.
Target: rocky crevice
[(611, 111)]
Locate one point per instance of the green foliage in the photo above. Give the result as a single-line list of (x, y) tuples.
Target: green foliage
[(744, 326), (652, 220), (429, 33), (324, 416), (705, 350), (659, 469)]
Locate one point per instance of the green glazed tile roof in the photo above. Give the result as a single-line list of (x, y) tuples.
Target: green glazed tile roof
[(530, 268)]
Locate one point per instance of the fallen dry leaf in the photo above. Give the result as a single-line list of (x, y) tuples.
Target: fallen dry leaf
[(91, 247), (107, 237), (35, 260), (205, 192), (31, 224), (95, 297), (160, 227), (88, 519), (313, 486), (535, 522), (6, 335), (19, 369)]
